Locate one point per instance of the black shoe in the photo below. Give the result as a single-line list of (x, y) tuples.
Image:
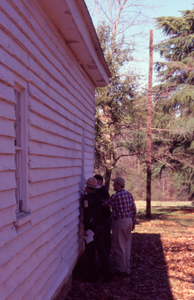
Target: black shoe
[(92, 278), (119, 273), (108, 278), (100, 270)]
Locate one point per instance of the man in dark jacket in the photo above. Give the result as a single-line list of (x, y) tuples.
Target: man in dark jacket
[(106, 214), (93, 221)]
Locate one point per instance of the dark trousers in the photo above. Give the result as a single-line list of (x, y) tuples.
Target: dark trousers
[(91, 255), (98, 244), (107, 234)]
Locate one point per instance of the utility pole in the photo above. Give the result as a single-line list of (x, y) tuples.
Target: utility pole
[(149, 130)]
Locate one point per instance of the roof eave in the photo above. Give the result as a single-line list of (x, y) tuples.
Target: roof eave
[(74, 22)]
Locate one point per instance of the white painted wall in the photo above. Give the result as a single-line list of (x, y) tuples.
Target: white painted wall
[(39, 250)]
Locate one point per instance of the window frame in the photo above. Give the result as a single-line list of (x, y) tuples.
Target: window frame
[(21, 149)]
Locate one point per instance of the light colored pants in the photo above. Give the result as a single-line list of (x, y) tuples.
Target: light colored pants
[(122, 239)]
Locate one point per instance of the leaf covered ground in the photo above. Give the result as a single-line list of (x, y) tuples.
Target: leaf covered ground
[(162, 262)]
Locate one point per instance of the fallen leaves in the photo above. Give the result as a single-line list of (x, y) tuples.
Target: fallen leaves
[(162, 265)]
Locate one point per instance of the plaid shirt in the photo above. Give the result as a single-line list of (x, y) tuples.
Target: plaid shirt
[(123, 205)]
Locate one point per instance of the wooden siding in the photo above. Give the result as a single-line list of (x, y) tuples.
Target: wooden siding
[(37, 256)]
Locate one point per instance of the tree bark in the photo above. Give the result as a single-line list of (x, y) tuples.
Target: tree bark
[(107, 178)]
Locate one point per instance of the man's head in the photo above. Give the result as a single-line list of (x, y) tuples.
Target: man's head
[(99, 179), (119, 183), (92, 184)]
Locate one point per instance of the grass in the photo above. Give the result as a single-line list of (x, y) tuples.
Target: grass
[(179, 212), (166, 204)]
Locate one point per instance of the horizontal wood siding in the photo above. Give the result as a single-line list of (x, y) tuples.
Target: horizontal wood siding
[(38, 255)]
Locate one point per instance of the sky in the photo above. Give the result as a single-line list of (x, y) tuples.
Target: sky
[(162, 8)]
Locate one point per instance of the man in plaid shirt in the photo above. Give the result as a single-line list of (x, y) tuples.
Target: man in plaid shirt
[(124, 214)]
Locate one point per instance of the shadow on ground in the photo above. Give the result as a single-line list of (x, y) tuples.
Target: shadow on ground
[(148, 279)]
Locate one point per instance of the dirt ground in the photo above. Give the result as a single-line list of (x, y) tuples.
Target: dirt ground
[(162, 262)]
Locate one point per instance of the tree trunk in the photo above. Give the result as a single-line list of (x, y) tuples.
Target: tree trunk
[(107, 178), (149, 131)]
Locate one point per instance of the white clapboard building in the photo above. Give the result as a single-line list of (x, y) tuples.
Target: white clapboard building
[(50, 64)]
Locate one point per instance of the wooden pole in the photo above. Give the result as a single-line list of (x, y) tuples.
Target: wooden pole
[(149, 131)]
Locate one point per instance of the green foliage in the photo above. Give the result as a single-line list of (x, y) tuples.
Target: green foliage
[(116, 105), (174, 100)]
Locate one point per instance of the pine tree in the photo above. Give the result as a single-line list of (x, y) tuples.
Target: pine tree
[(174, 99)]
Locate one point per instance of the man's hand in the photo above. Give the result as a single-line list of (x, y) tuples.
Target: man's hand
[(83, 193), (85, 233)]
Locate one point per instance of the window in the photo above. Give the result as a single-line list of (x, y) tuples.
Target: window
[(21, 150), (18, 150)]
